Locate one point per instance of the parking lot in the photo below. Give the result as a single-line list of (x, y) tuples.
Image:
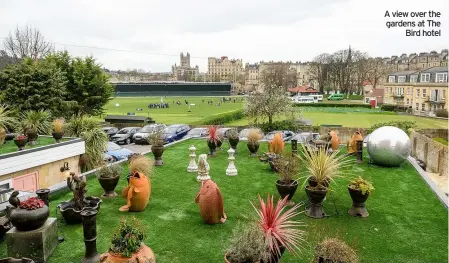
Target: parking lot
[(137, 148)]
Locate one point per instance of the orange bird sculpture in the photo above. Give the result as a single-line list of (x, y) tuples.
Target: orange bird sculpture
[(211, 203), (277, 144), (137, 193), (352, 143)]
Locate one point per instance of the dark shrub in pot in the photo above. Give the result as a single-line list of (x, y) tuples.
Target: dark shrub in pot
[(21, 141), (233, 138), (359, 190), (287, 166), (254, 136), (58, 129), (33, 123), (108, 177), (334, 250), (213, 140), (156, 140), (247, 245)]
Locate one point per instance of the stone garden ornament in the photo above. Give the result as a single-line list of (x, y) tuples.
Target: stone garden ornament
[(203, 168), (193, 167), (231, 170)]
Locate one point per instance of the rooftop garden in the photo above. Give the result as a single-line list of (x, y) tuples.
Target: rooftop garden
[(406, 221)]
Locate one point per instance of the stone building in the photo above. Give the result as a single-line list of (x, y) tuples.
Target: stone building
[(184, 71), (224, 69), (423, 60)]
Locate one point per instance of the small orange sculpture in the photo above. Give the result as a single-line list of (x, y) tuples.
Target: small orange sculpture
[(352, 143), (211, 203), (277, 144), (335, 141), (137, 193)]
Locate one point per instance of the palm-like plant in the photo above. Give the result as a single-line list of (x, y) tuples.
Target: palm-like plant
[(79, 124), (35, 122), (323, 167), (96, 143), (279, 228), (5, 121), (214, 137)]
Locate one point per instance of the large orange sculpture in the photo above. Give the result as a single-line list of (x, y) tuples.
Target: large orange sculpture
[(211, 203), (137, 193), (352, 143), (277, 144), (335, 141)]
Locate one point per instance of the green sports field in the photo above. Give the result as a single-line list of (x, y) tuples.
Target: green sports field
[(348, 117)]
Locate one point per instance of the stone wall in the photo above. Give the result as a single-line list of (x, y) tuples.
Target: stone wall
[(432, 153)]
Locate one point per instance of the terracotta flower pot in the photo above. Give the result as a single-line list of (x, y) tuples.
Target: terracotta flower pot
[(212, 148), (253, 148), (108, 185), (26, 220), (286, 188), (358, 208), (143, 255), (157, 153), (21, 143), (32, 137), (57, 136)]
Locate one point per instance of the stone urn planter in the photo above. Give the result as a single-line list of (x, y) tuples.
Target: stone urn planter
[(108, 185), (287, 188), (16, 260), (219, 143), (57, 136), (32, 137), (227, 261), (253, 148), (143, 255), (313, 183), (212, 148), (29, 214), (233, 143), (72, 215), (157, 153), (316, 196), (21, 142), (358, 208), (43, 195)]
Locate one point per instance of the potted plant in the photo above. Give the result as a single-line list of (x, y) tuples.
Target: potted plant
[(21, 141), (359, 190), (213, 140), (108, 177), (127, 245), (334, 250), (156, 140), (58, 129), (254, 136), (287, 167), (321, 168), (34, 123), (5, 121), (233, 138), (71, 210), (247, 245), (280, 231), (29, 214)]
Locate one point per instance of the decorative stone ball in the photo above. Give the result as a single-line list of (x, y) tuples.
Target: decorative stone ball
[(388, 146)]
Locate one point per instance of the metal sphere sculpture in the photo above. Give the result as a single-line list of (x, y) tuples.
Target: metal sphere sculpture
[(388, 146)]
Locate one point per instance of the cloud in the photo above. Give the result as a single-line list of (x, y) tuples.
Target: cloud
[(251, 30)]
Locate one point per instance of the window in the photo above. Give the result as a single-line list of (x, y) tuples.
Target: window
[(417, 106), (391, 79), (414, 78), (444, 94), (401, 79), (417, 93), (408, 91), (424, 91), (434, 107), (425, 77), (441, 77), (408, 101), (386, 90), (423, 107)]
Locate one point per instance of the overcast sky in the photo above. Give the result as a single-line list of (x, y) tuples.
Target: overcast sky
[(252, 30)]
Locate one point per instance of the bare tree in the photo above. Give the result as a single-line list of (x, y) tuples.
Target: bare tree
[(319, 69), (27, 42), (377, 69)]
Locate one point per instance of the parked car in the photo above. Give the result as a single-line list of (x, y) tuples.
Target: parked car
[(125, 135), (305, 137), (142, 136), (198, 132), (243, 135), (110, 131), (116, 152), (175, 132), (286, 135), (223, 132)]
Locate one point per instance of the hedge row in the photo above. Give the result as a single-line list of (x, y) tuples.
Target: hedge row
[(222, 118), (333, 105), (390, 107), (403, 125)]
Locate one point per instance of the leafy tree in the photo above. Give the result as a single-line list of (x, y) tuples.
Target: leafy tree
[(88, 88), (33, 85)]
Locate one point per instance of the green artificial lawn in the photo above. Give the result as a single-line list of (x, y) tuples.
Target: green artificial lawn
[(407, 223), (441, 140), (175, 113), (10, 146)]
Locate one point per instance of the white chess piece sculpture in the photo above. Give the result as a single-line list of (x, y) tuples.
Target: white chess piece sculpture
[(203, 168), (231, 171), (192, 168)]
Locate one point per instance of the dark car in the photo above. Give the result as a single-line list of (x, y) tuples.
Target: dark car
[(142, 136), (125, 135), (175, 132), (110, 131), (198, 133), (286, 135), (116, 153)]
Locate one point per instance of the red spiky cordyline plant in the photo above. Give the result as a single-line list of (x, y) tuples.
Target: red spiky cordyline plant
[(279, 228), (213, 135)]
